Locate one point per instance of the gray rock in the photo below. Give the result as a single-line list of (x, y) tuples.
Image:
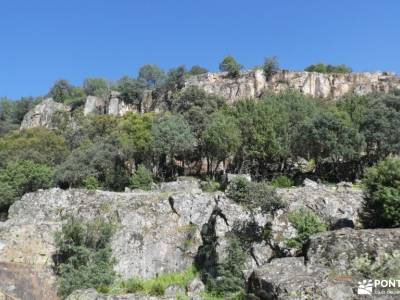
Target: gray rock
[(42, 114), (158, 231), (173, 291), (195, 287), (91, 294), (253, 84), (337, 249)]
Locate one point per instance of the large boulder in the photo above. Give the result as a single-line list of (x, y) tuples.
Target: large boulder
[(337, 249), (326, 272), (42, 114)]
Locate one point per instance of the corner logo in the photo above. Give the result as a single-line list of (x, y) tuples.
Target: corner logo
[(365, 287)]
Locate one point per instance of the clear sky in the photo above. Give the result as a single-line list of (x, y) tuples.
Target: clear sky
[(46, 40)]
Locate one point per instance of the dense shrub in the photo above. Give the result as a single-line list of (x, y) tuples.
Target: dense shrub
[(368, 267), (381, 206), (210, 185), (254, 195), (91, 183), (323, 68), (142, 179), (306, 223), (21, 177), (84, 258), (282, 182)]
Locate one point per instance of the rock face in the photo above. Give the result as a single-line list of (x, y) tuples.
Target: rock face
[(325, 275), (158, 231), (42, 114), (252, 84), (91, 294)]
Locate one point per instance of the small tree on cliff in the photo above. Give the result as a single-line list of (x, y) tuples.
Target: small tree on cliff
[(230, 65)]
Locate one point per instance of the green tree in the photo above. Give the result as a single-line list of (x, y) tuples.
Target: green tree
[(172, 137), (230, 65), (135, 135), (132, 91), (270, 67), (152, 75), (221, 138), (38, 144), (100, 160), (142, 179), (96, 87), (61, 90), (381, 206), (197, 70), (21, 177)]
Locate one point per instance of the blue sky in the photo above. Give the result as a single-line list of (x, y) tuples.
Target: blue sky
[(45, 40)]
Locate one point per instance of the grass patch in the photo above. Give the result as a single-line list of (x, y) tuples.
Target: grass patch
[(155, 286)]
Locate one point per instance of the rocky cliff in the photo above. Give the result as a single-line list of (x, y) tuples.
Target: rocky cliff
[(250, 84), (253, 84), (162, 231)]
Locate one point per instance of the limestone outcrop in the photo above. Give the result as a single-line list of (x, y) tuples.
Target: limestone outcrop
[(42, 114), (253, 84)]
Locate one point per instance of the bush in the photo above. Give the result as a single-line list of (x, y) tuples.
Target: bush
[(210, 185), (282, 182), (306, 223), (84, 258), (254, 195), (91, 183), (270, 67), (21, 177), (323, 68), (230, 65), (381, 206), (142, 179)]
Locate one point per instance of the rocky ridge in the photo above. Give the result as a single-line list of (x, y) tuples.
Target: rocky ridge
[(161, 231), (250, 84)]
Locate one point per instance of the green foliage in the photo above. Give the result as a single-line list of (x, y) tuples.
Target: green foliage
[(381, 206), (230, 65), (84, 258), (61, 90), (367, 267), (282, 182), (229, 277), (197, 70), (210, 185), (197, 107), (134, 132), (176, 79), (306, 223), (329, 136), (21, 177), (38, 144), (152, 75), (132, 91), (323, 68), (155, 286), (142, 179), (172, 136), (91, 183), (254, 195), (270, 67), (98, 87), (100, 160), (222, 137)]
